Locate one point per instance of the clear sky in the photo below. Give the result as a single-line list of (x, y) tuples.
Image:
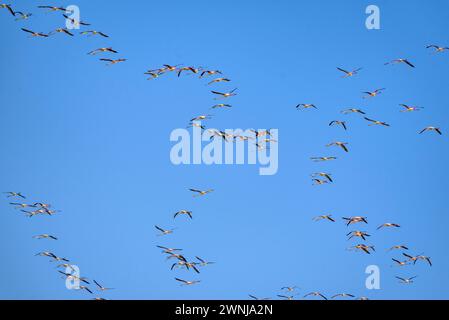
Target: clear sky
[(94, 141)]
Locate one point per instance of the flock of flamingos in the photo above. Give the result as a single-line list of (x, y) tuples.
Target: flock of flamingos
[(259, 138)]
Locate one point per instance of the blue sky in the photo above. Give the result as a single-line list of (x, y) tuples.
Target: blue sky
[(94, 141)]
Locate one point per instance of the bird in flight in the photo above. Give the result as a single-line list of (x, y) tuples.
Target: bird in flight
[(361, 234), (324, 175), (94, 32), (66, 265), (72, 276), (84, 288), (56, 258), (203, 262), (218, 80), (156, 71), (256, 298), (200, 193), (267, 140), (339, 144), (51, 212), (242, 138), (324, 217), (153, 75), (75, 22), (196, 125), (376, 122), (408, 108), (94, 52), (45, 236), (437, 130), (261, 133), (187, 283), (43, 205), (303, 106), (62, 30), (35, 34), (400, 263), (286, 297), (220, 134), (421, 257), (406, 280), (168, 68), (112, 61), (315, 294), (185, 264), (338, 123), (202, 117), (370, 94), (14, 194), (353, 220), (363, 247), (349, 73), (163, 231), (388, 225), (226, 94), (209, 73), (23, 16), (51, 8), (289, 289), (43, 210), (192, 69), (100, 287), (168, 250), (31, 214), (398, 247), (261, 147), (343, 295), (437, 48), (318, 182), (352, 110), (22, 205), (221, 105), (172, 255), (45, 254), (7, 6), (52, 256), (418, 257), (320, 159), (396, 61), (189, 213)]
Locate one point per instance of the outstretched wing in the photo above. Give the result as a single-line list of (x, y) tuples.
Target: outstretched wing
[(11, 10), (26, 30), (408, 63), (199, 259)]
